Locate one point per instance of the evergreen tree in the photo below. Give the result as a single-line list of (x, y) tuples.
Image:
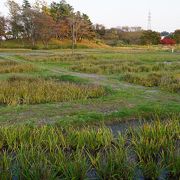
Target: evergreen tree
[(26, 4)]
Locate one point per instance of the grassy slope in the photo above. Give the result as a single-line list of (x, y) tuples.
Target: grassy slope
[(53, 44)]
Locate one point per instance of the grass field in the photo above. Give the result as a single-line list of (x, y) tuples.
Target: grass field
[(56, 106)]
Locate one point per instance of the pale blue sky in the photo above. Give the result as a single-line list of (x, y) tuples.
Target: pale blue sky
[(112, 13)]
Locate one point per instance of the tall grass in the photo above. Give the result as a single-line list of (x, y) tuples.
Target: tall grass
[(7, 62), (34, 91), (14, 67), (147, 69), (49, 152), (66, 57), (117, 67), (163, 80), (155, 145)]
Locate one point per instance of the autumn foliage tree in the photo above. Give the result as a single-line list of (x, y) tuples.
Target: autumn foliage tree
[(83, 27), (44, 28), (62, 13), (168, 41), (42, 22)]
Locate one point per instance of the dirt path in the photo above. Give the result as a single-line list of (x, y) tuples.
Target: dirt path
[(103, 80), (93, 78), (56, 111), (97, 79)]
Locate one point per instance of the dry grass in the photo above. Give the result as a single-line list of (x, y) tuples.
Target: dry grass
[(165, 81), (7, 63), (67, 58), (32, 91), (121, 66), (14, 67)]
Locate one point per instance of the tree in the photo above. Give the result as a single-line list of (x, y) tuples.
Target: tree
[(28, 17), (15, 19), (2, 27), (150, 38), (133, 37), (177, 36), (41, 6), (26, 4), (63, 28), (39, 21), (100, 30), (83, 27), (165, 33), (44, 28), (168, 41), (111, 34), (60, 10), (62, 14)]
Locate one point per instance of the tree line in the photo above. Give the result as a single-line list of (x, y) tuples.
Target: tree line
[(42, 22), (133, 35)]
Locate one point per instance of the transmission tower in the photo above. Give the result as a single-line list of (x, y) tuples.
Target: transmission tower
[(149, 21)]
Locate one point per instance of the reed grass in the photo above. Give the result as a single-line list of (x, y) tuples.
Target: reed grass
[(147, 69), (14, 67), (33, 91), (154, 146), (47, 152), (59, 58), (165, 81)]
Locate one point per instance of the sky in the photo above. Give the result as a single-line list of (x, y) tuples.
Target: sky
[(112, 13)]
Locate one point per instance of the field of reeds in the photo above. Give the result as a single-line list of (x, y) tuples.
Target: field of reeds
[(16, 90), (150, 152), (146, 69), (15, 67), (76, 116), (165, 81)]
